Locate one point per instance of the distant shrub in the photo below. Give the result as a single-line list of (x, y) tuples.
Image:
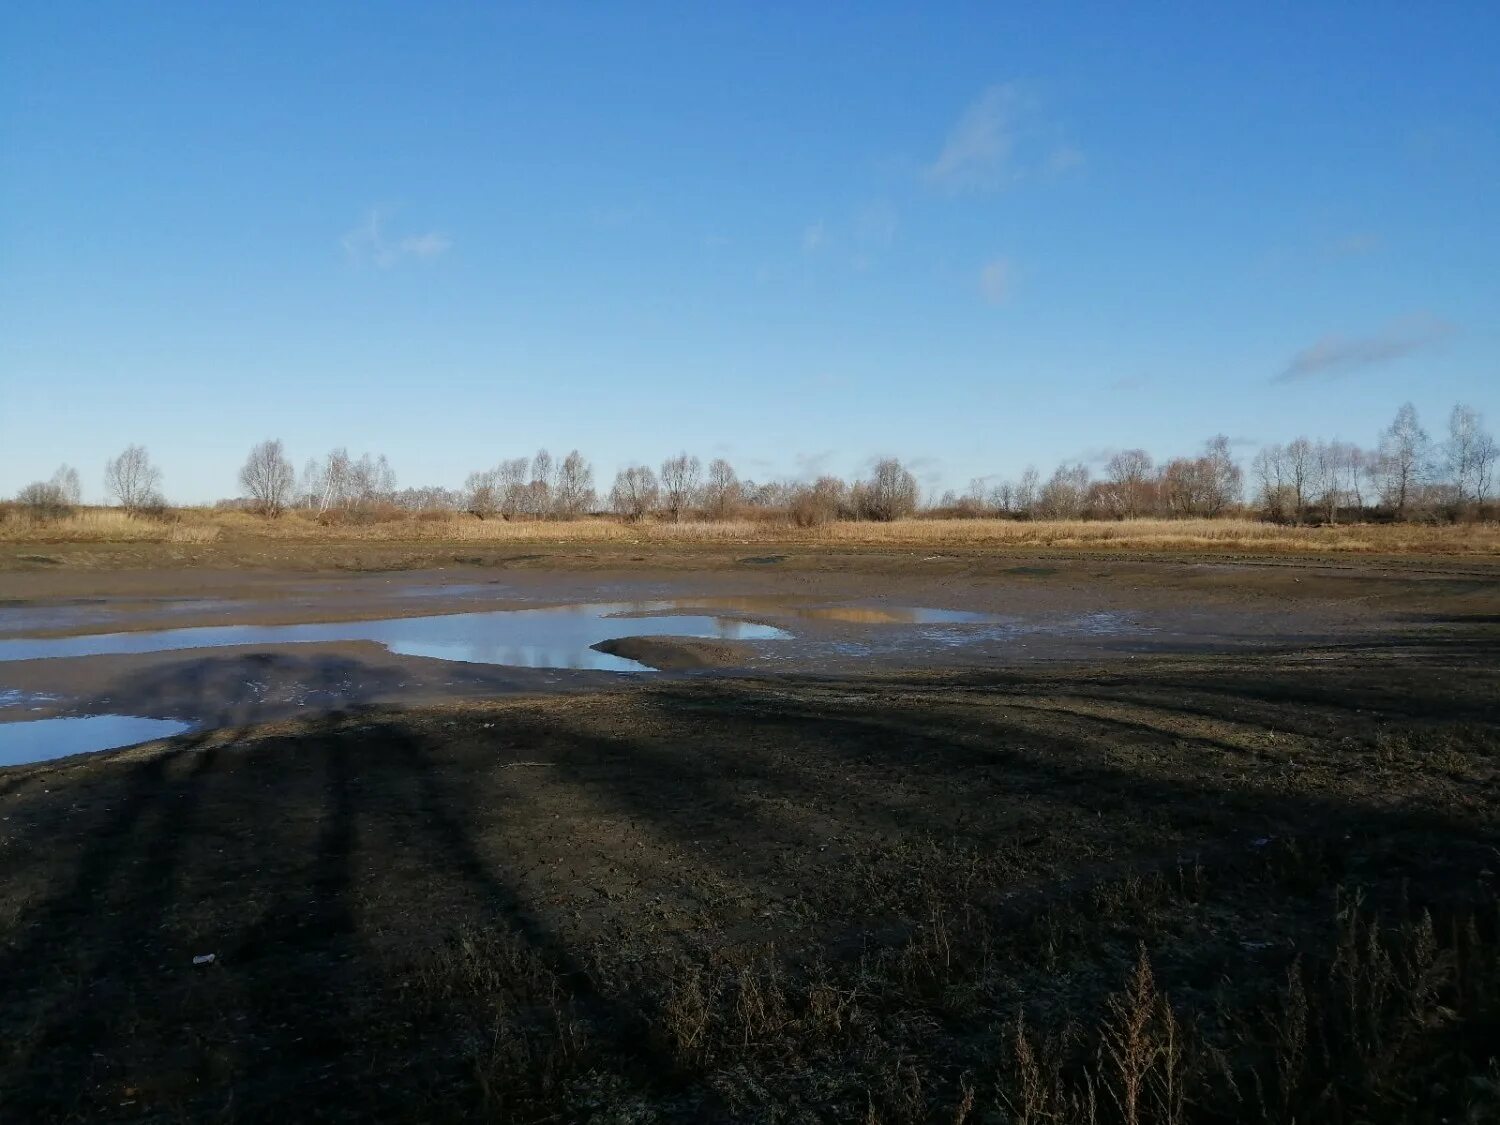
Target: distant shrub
[(153, 506), (817, 504), (44, 500)]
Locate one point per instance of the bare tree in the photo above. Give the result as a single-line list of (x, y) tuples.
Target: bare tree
[(1187, 487), (310, 485), (430, 498), (1299, 462), (1404, 453), (1002, 498), (133, 480), (539, 488), (372, 480), (575, 486), (44, 500), (635, 492), (510, 479), (65, 480), (1328, 479), (1226, 481), (1351, 467), (679, 483), (330, 481), (1129, 486), (1471, 454), (1269, 467), (813, 505), (975, 500), (721, 493), (1066, 492), (343, 484), (267, 478), (889, 494), (482, 494), (1028, 492)]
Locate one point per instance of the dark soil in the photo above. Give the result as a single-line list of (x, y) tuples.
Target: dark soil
[(1252, 885), (778, 900), (675, 654)]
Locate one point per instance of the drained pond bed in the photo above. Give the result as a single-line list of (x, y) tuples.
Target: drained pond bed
[(1239, 890)]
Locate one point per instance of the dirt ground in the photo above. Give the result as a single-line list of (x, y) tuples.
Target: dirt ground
[(1239, 867)]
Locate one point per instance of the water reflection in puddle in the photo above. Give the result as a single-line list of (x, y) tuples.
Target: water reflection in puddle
[(558, 637), (10, 697), (851, 614), (41, 740), (865, 615)]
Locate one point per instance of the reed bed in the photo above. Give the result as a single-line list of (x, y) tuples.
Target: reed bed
[(205, 526)]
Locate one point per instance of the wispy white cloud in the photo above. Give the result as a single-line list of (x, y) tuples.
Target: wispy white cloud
[(1343, 355), (369, 243), (875, 224), (996, 280), (813, 237), (1000, 138)]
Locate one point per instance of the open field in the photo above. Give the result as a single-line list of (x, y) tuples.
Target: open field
[(204, 527), (1193, 893), (1239, 865)]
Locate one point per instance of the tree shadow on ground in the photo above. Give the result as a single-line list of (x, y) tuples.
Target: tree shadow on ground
[(323, 867)]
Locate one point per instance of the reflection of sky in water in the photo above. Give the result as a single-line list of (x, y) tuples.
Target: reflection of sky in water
[(40, 740), (853, 614), (897, 615), (558, 637), (10, 697)]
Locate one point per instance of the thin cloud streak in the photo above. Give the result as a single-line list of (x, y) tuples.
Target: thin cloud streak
[(1333, 356), (982, 150), (369, 244)]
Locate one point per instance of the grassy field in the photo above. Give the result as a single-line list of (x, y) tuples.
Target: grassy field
[(202, 527)]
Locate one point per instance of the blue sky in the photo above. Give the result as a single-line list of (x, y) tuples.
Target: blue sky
[(975, 236)]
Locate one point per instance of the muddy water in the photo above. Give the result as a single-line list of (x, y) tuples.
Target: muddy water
[(274, 670), (557, 637)]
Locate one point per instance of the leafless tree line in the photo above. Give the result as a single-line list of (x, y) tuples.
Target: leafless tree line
[(531, 488), (1133, 485), (130, 479), (1406, 475)]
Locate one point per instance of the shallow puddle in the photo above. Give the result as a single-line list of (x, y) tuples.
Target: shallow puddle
[(850, 614), (41, 740), (898, 615), (557, 637)]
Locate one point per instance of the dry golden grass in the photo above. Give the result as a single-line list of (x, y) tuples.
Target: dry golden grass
[(111, 525), (203, 526), (1178, 535)]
